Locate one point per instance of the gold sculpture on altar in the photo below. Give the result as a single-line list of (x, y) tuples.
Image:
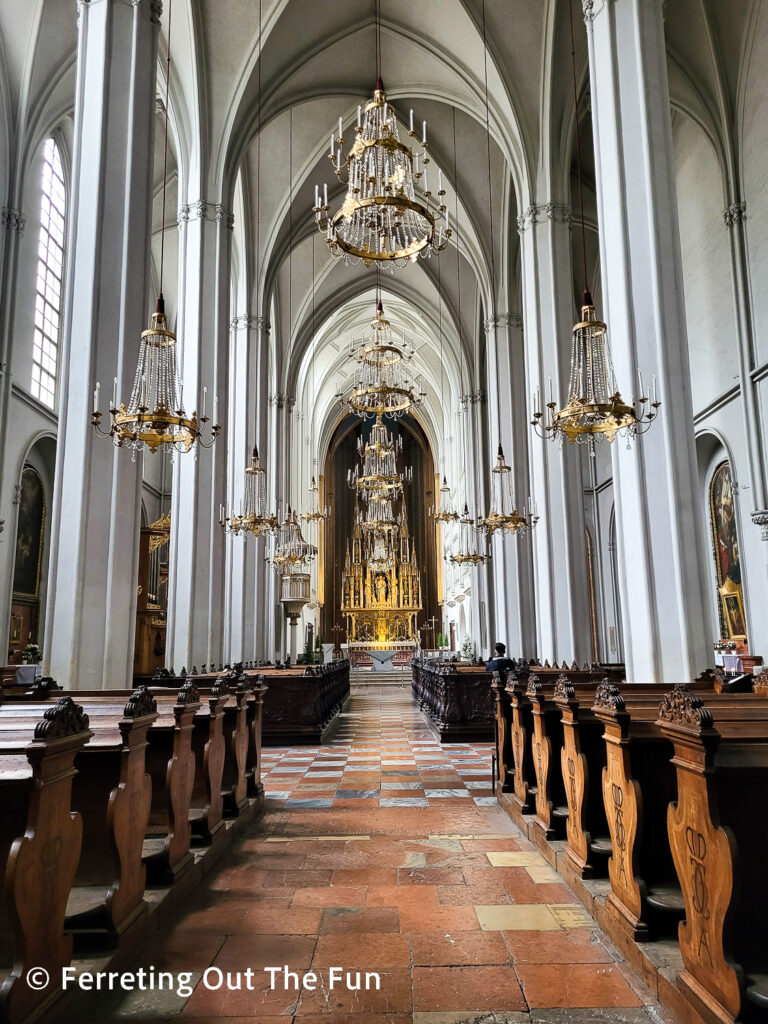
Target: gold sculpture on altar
[(381, 605)]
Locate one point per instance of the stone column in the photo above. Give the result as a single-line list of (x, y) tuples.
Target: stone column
[(559, 539), (511, 556), (196, 606), (659, 526), (91, 614), (245, 554)]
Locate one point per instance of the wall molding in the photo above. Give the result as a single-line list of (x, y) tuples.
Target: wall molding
[(736, 213), (538, 214), (503, 320), (13, 220), (250, 322)]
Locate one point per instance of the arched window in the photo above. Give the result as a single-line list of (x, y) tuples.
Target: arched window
[(50, 264)]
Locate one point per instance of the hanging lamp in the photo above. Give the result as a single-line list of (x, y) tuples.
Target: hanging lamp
[(503, 514), (154, 417), (383, 217), (594, 410), (253, 517)]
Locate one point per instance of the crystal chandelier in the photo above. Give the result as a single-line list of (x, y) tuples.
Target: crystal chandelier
[(595, 410), (253, 517), (382, 386), (379, 476), (503, 514), (315, 513), (382, 216), (291, 552), (444, 512), (154, 416), (467, 553)]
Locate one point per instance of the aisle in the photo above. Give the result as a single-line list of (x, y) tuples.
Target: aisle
[(385, 852)]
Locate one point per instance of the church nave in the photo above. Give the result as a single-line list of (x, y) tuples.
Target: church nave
[(385, 852)]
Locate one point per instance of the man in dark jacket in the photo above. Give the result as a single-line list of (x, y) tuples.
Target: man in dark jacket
[(499, 662)]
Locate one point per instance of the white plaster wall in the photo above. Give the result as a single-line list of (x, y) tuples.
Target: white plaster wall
[(709, 302)]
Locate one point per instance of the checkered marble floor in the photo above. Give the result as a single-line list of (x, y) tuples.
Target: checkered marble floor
[(383, 755)]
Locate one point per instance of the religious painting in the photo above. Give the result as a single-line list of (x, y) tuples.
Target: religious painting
[(29, 535), (725, 544)]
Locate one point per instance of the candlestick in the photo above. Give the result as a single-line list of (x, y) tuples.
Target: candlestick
[(640, 378), (341, 129), (215, 409), (317, 196), (325, 193), (424, 134), (439, 181), (181, 396), (359, 115), (653, 388), (114, 393), (333, 144), (205, 398), (96, 397), (411, 122)]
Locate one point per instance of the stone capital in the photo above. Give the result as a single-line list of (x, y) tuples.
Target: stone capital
[(202, 210), (736, 213), (538, 214), (282, 401), (250, 322), (761, 519), (13, 220), (503, 320), (473, 398)]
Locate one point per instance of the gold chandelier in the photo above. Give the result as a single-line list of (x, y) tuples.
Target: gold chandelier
[(253, 517), (595, 410), (291, 552), (379, 476), (382, 386), (154, 416), (444, 512), (315, 513), (467, 553), (382, 216), (503, 514)]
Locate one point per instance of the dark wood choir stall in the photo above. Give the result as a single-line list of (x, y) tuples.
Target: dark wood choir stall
[(105, 795), (652, 802)]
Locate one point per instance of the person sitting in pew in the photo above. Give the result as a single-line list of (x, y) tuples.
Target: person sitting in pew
[(499, 662)]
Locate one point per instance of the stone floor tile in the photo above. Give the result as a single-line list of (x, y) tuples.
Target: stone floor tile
[(436, 949), (466, 988), (530, 917), (367, 919), (575, 985), (564, 947), (363, 950)]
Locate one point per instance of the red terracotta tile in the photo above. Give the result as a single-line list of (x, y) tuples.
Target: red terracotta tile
[(574, 946), (330, 896), (225, 916), (402, 896), (297, 879), (466, 988), (351, 1018), (365, 876), (393, 996), (430, 876), (265, 920), (436, 949), (223, 1002), (433, 919), (369, 919), (481, 894), (366, 950), (575, 985), (242, 951)]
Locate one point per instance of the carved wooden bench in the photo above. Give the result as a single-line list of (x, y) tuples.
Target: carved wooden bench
[(40, 841), (112, 792), (718, 833)]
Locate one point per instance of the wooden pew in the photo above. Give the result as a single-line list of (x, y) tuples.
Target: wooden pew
[(718, 833), (639, 783), (40, 841), (112, 793), (457, 698), (170, 762)]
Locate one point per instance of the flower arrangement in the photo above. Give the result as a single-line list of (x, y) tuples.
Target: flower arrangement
[(468, 648), (31, 655)]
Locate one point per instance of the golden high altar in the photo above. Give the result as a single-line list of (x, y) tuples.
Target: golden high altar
[(381, 597)]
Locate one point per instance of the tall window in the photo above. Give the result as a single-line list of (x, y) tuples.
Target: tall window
[(50, 262)]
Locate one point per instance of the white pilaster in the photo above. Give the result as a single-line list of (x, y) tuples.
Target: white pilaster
[(559, 539), (96, 519), (196, 606), (661, 552)]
